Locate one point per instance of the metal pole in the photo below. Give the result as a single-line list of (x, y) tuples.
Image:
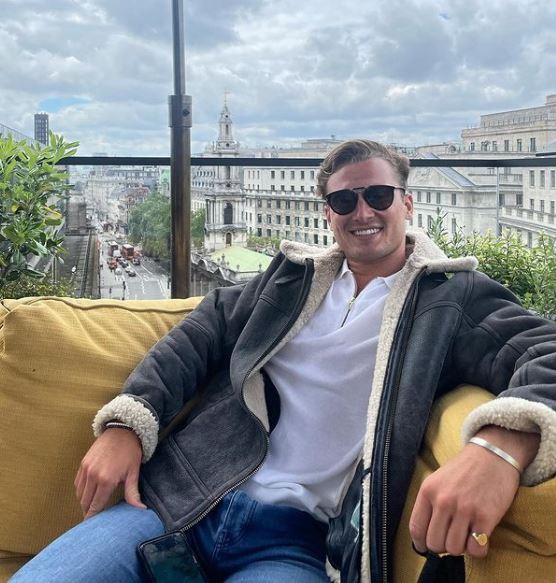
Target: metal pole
[(498, 201), (180, 164)]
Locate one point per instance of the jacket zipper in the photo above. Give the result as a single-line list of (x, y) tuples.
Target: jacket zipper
[(388, 437), (309, 270)]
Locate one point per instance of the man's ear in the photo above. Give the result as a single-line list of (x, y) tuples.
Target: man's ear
[(327, 213), (408, 203)]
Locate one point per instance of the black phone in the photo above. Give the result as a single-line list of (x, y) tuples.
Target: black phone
[(170, 559)]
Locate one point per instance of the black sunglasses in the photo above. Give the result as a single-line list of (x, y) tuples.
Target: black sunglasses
[(378, 196)]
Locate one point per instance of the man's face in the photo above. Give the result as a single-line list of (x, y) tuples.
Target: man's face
[(370, 239)]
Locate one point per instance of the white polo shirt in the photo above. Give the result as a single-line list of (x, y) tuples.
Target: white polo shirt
[(324, 377)]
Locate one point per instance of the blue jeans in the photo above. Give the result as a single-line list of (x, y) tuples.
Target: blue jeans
[(240, 541)]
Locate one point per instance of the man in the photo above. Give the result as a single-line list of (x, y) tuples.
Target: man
[(314, 384)]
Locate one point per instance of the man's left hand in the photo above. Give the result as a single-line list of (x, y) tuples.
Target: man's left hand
[(471, 493)]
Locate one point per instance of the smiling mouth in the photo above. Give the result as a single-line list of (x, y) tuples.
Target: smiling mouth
[(367, 231)]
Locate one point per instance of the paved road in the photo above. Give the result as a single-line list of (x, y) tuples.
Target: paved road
[(150, 283)]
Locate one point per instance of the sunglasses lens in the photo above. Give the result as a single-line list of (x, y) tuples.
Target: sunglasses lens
[(342, 202), (379, 196)]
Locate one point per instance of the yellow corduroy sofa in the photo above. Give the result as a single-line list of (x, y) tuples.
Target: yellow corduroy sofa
[(61, 359)]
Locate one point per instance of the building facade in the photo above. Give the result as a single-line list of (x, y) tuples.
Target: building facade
[(41, 127)]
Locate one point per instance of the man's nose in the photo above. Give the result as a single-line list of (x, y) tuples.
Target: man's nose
[(363, 210)]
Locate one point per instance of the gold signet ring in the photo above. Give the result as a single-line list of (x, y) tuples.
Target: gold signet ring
[(480, 538)]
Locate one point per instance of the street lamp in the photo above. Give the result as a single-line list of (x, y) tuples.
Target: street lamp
[(180, 163)]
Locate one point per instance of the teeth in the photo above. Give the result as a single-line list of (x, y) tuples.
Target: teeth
[(366, 231)]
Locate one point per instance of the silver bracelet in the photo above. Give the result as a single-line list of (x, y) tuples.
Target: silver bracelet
[(499, 452), (118, 425)]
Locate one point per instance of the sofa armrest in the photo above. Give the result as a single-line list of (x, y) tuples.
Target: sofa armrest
[(523, 546)]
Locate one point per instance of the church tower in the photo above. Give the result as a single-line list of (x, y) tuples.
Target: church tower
[(225, 204)]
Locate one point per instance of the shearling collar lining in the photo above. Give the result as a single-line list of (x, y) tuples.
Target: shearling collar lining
[(422, 253)]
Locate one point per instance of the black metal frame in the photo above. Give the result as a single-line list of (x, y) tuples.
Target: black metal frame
[(302, 162)]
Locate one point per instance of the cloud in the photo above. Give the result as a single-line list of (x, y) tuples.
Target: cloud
[(413, 71)]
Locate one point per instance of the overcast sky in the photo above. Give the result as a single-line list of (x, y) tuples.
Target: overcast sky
[(404, 71)]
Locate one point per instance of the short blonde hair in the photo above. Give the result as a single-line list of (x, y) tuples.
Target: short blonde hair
[(353, 151)]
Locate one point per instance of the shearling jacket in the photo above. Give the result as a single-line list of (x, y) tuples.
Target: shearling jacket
[(444, 324)]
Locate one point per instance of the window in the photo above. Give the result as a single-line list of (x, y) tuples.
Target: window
[(297, 221), (531, 178), (532, 204), (484, 146), (501, 199), (454, 198), (278, 219), (302, 188), (288, 219), (519, 200), (259, 202), (269, 233), (292, 174), (288, 204), (519, 145), (305, 238), (429, 221), (269, 219), (268, 203), (324, 224), (542, 206), (506, 145), (533, 145), (438, 198), (553, 179), (541, 179), (306, 222), (282, 174), (259, 218), (316, 223), (454, 226), (552, 204), (325, 240), (306, 205), (495, 146), (316, 206), (282, 187), (259, 232), (428, 196), (302, 174), (272, 174), (419, 196), (472, 146), (278, 204), (316, 239), (419, 220), (272, 187), (292, 188), (312, 174), (529, 239)]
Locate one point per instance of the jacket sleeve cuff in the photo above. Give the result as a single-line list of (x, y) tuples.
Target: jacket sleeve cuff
[(520, 415), (133, 413)]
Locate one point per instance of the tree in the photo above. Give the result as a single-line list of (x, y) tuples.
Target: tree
[(530, 273), (32, 189), (149, 225), (198, 219)]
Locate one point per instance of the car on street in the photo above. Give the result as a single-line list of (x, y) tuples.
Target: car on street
[(118, 271), (136, 261), (130, 271)]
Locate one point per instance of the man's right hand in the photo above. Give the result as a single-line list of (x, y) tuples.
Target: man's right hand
[(114, 458)]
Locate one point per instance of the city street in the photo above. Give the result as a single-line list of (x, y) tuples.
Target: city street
[(150, 283)]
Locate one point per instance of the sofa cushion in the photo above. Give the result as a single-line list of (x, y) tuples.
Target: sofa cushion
[(60, 360)]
